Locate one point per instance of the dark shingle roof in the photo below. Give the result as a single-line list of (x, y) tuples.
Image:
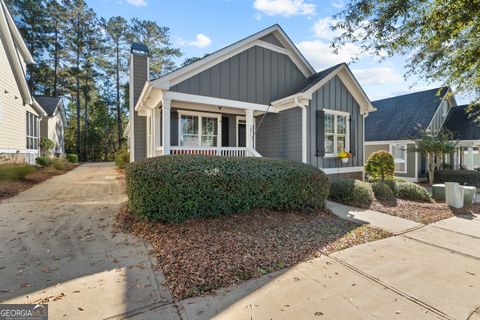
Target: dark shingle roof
[(462, 123), (398, 118), (312, 80), (48, 104)]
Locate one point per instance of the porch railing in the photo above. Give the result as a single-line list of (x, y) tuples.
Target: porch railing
[(216, 151)]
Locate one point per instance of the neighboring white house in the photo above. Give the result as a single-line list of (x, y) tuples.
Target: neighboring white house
[(53, 124), (19, 114)]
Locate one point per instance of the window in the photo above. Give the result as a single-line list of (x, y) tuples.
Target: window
[(336, 132), (399, 152), (199, 130), (32, 131)]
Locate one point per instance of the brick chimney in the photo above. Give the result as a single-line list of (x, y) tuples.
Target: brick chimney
[(139, 75)]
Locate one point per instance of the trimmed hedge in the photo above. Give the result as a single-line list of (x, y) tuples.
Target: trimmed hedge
[(353, 192), (380, 165), (71, 157), (43, 161), (383, 191), (464, 177), (175, 188), (411, 191)]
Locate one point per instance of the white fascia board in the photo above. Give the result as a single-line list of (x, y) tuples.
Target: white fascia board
[(22, 47), (342, 170), (189, 71), (36, 106), (388, 142), (145, 91), (177, 96), (126, 132)]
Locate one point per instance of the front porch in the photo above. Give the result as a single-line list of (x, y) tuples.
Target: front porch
[(190, 124)]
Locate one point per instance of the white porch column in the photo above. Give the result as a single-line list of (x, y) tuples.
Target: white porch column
[(166, 126), (304, 134), (249, 128), (156, 130)]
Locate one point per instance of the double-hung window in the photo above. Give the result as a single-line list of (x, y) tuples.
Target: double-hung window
[(199, 129), (336, 132), (32, 131), (399, 152)]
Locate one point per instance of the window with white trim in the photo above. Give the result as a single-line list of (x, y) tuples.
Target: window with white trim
[(32, 131), (199, 130), (399, 152), (336, 132)]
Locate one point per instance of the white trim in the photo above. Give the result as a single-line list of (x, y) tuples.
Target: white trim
[(184, 73), (368, 143), (429, 127), (237, 122), (347, 131), (342, 170), (15, 150), (405, 150), (200, 115), (193, 98), (22, 47), (412, 179)]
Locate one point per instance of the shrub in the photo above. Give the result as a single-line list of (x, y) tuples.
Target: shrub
[(43, 161), (58, 164), (122, 157), (464, 177), (15, 171), (350, 191), (383, 191), (175, 188), (380, 165), (72, 158), (411, 191), (46, 145)]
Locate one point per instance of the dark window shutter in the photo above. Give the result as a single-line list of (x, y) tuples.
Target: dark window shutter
[(320, 133), (225, 131), (353, 136)]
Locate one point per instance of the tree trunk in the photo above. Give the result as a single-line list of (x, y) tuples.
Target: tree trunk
[(55, 64), (431, 167), (77, 78), (85, 97), (119, 113)]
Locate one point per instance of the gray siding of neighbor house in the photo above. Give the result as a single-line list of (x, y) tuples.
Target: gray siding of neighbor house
[(280, 135), (257, 75), (335, 96), (140, 72), (438, 119), (232, 129), (270, 38), (371, 148)]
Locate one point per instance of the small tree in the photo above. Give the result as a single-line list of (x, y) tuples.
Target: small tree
[(380, 165), (46, 145), (433, 147)]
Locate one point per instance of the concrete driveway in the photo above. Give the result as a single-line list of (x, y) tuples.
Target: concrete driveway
[(57, 246)]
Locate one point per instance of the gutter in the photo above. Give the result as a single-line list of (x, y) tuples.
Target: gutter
[(304, 128)]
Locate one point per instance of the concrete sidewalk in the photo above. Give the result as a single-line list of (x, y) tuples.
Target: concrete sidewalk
[(376, 219), (57, 247)]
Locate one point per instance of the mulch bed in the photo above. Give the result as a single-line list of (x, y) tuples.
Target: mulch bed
[(423, 212), (199, 256), (11, 188)]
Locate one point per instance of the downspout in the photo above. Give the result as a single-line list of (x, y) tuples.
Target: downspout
[(304, 129)]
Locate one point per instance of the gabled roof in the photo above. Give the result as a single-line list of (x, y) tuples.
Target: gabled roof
[(461, 123), (51, 105), (175, 76), (398, 118), (14, 46), (316, 81)]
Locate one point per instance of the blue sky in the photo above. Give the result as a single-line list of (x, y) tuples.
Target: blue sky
[(198, 27)]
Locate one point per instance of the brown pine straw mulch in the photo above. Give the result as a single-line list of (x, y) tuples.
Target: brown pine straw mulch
[(201, 255), (423, 212), (9, 188)]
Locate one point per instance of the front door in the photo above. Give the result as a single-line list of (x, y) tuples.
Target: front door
[(241, 132)]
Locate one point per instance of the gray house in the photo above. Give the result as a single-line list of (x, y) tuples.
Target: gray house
[(394, 128), (257, 97)]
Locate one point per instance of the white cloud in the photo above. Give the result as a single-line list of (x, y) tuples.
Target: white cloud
[(201, 41), (377, 75), (337, 4), (323, 29), (138, 3), (284, 8), (322, 56)]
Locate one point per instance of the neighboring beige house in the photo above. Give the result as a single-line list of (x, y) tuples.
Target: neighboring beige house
[(53, 124), (19, 114)]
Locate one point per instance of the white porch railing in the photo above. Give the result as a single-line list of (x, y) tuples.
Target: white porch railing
[(216, 151)]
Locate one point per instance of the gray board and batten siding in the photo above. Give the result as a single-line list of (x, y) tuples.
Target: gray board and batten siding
[(140, 77), (256, 75)]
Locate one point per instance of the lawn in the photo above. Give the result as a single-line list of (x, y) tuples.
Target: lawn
[(20, 177), (200, 255)]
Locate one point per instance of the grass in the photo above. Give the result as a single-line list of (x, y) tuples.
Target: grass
[(12, 172), (201, 255)]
